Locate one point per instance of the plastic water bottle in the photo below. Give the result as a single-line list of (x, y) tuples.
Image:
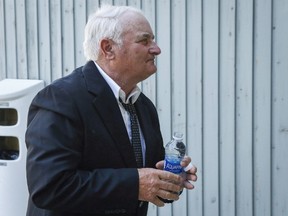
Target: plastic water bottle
[(174, 152)]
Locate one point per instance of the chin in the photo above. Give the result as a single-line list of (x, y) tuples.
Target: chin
[(153, 69)]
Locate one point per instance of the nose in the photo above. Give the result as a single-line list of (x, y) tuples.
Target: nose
[(154, 49)]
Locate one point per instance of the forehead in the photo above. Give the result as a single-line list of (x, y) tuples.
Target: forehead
[(137, 24)]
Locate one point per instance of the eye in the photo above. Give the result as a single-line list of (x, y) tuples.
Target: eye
[(145, 41)]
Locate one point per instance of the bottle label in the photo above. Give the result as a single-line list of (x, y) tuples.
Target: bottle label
[(173, 166)]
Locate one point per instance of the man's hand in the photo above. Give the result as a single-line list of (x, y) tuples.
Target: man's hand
[(190, 174), (155, 183)]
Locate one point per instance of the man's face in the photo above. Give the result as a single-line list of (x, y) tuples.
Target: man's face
[(136, 57)]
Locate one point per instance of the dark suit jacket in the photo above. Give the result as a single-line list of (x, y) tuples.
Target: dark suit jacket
[(79, 159)]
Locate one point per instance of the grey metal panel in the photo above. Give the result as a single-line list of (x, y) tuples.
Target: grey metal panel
[(280, 109), (210, 108), (227, 131), (32, 40), (68, 36), (244, 96), (91, 6), (148, 86), (179, 81), (262, 108), (10, 42), (194, 137), (21, 40), (2, 42), (80, 21), (163, 39), (56, 40), (44, 40), (163, 76)]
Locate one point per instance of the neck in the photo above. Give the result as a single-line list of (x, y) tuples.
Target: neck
[(122, 81)]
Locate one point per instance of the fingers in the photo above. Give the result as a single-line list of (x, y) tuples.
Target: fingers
[(168, 195), (156, 201), (171, 186), (188, 185), (191, 174), (169, 177), (185, 161), (165, 195), (192, 170), (188, 176), (155, 183)]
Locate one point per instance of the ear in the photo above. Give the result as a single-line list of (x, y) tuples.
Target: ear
[(106, 47)]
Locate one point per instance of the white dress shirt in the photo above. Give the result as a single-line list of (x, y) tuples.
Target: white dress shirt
[(119, 93)]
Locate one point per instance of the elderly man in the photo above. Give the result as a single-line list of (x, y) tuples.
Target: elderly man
[(88, 153)]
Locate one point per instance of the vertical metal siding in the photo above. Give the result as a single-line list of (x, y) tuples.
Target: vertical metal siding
[(227, 74), (194, 121), (222, 80), (244, 100), (279, 102), (56, 40), (210, 108), (262, 108), (3, 73)]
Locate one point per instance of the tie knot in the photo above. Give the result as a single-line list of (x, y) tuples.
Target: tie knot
[(128, 107)]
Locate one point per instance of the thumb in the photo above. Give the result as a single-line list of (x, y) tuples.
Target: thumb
[(160, 165)]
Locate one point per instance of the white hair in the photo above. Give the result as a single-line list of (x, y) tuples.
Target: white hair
[(104, 23)]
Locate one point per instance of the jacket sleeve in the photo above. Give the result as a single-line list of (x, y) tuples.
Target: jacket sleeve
[(56, 180)]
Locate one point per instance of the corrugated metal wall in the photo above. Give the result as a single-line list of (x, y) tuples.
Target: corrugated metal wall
[(222, 80)]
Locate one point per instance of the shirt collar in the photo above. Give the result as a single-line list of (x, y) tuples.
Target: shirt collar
[(117, 91)]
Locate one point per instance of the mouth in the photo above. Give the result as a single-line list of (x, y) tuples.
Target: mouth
[(151, 59)]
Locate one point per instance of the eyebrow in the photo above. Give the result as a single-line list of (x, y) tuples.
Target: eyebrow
[(145, 35)]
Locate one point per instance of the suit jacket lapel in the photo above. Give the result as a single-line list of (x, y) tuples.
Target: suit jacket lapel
[(107, 107)]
